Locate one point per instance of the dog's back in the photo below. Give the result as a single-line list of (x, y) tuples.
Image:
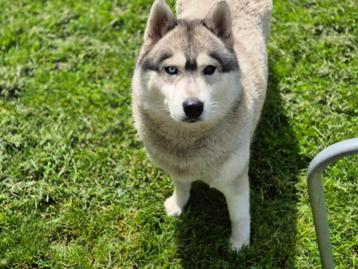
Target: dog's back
[(251, 26)]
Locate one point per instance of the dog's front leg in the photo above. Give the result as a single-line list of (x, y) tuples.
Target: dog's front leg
[(237, 196), (175, 204)]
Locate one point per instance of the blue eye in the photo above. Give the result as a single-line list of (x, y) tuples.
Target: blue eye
[(209, 70), (171, 70)]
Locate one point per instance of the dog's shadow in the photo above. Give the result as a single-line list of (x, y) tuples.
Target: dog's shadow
[(204, 228)]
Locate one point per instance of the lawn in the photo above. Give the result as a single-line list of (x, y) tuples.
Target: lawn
[(76, 187)]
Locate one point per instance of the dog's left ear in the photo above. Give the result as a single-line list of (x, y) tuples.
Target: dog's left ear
[(219, 22), (161, 21)]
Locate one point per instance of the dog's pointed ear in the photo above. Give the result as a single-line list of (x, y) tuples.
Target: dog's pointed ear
[(219, 22), (161, 20)]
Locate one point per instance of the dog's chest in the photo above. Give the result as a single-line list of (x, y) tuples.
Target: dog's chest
[(190, 158)]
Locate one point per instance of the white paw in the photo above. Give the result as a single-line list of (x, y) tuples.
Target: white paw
[(172, 208), (237, 244)]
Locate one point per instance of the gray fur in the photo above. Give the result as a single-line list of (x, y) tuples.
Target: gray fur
[(231, 36), (227, 61), (153, 63)]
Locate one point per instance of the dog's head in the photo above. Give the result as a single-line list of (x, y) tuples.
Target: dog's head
[(187, 71)]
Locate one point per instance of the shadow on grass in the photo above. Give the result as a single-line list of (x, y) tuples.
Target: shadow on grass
[(204, 228)]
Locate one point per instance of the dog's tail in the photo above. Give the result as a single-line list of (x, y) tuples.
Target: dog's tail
[(246, 14)]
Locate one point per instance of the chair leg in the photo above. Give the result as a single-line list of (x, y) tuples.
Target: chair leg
[(315, 190)]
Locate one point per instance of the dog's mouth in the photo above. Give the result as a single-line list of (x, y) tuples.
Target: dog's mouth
[(191, 120)]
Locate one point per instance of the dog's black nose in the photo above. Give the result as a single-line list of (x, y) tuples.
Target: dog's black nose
[(193, 108)]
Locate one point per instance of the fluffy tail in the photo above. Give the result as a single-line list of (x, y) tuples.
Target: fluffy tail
[(251, 13), (245, 13)]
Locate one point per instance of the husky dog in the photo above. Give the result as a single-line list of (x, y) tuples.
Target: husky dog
[(198, 90)]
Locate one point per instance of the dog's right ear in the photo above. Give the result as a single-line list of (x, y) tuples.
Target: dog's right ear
[(161, 20), (218, 21)]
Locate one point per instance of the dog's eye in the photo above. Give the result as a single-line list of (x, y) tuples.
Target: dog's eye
[(209, 70), (171, 70)]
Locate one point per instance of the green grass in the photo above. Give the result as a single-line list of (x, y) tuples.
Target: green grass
[(76, 188)]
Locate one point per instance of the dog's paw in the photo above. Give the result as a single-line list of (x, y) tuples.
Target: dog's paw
[(172, 208), (237, 244)]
